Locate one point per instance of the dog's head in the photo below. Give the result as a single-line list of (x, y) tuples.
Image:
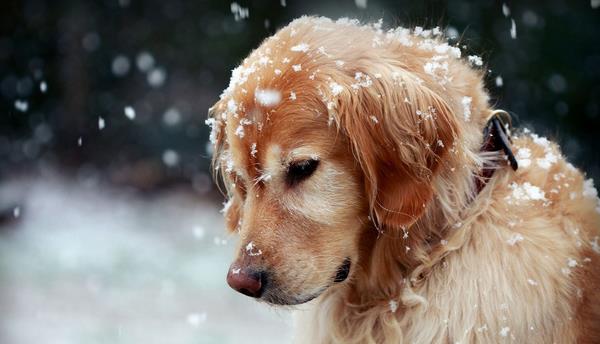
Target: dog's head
[(328, 130)]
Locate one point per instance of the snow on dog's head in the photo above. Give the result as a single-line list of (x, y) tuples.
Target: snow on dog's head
[(328, 130)]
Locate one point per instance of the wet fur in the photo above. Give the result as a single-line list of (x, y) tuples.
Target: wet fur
[(396, 194)]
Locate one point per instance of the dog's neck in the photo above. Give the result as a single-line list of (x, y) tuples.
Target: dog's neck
[(393, 258)]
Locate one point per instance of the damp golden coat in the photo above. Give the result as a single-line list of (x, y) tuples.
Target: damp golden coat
[(395, 120)]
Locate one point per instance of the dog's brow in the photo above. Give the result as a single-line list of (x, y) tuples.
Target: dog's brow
[(302, 153)]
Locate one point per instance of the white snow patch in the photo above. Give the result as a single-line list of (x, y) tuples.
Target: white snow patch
[(267, 97), (253, 150), (239, 131), (475, 60), (215, 127), (292, 95), (303, 47), (515, 239), (504, 331), (466, 103), (297, 67), (588, 189), (226, 205), (524, 157), (393, 306), (336, 88), (532, 282), (251, 249), (525, 192), (374, 119), (547, 161)]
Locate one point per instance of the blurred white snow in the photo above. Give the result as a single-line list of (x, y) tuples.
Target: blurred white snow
[(95, 264)]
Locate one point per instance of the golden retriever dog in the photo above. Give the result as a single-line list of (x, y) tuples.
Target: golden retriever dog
[(359, 177)]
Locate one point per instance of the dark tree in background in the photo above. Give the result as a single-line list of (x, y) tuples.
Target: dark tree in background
[(65, 66)]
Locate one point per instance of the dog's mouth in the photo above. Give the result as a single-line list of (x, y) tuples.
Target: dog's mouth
[(343, 271), (341, 275)]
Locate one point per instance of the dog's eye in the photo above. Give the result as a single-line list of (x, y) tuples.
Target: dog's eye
[(300, 170)]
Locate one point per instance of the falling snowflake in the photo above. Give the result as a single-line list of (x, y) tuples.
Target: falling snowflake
[(362, 4), (513, 29), (129, 112), (21, 105), (195, 319), (505, 10), (239, 12), (499, 81)]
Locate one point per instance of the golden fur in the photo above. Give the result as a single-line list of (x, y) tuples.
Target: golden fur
[(395, 119)]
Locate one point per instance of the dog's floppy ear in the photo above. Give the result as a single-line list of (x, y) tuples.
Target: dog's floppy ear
[(222, 164), (399, 130)]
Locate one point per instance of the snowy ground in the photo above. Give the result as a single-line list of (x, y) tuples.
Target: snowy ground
[(91, 264)]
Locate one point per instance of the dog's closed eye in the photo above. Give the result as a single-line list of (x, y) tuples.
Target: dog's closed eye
[(300, 170)]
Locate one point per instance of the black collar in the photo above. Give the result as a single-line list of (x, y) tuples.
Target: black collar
[(496, 137)]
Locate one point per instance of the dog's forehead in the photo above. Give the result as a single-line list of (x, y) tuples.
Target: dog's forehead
[(265, 138)]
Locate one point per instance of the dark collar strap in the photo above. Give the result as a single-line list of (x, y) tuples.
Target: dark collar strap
[(496, 137)]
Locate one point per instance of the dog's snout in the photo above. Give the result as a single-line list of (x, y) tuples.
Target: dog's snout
[(246, 281)]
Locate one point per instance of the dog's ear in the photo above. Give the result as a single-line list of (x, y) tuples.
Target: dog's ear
[(222, 165), (400, 131)]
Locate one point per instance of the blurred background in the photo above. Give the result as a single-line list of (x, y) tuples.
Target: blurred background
[(110, 229)]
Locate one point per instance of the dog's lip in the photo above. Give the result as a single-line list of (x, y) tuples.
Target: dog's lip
[(341, 275), (276, 300), (343, 271)]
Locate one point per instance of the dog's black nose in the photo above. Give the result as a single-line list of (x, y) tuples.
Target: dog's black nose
[(245, 281)]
